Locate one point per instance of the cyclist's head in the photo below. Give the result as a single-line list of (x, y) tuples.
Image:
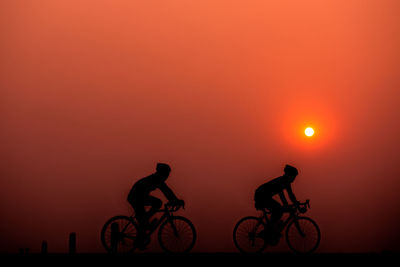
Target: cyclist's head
[(290, 171), (163, 169)]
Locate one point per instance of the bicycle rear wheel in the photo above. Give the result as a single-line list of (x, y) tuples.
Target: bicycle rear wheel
[(126, 234), (246, 235), (177, 235), (303, 235)]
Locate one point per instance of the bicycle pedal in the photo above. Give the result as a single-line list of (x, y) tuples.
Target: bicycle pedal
[(274, 242), (143, 243)]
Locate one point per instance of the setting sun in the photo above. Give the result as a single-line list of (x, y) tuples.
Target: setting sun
[(309, 131)]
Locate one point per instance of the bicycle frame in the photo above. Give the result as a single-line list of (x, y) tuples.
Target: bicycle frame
[(266, 220), (293, 215), (167, 216)]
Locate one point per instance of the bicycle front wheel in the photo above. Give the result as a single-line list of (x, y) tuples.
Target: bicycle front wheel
[(246, 235), (126, 231), (177, 235), (303, 235)]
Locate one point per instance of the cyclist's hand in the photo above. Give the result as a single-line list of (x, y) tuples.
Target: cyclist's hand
[(302, 209), (180, 203), (176, 203)]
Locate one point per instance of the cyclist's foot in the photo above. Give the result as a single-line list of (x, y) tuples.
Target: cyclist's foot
[(279, 225), (274, 238), (142, 242), (263, 234), (143, 245), (274, 241)]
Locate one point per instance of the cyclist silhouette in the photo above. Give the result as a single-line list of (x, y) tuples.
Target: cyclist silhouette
[(263, 198), (139, 196)]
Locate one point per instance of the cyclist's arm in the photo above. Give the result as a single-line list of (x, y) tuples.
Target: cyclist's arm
[(283, 199), (168, 193), (291, 195)]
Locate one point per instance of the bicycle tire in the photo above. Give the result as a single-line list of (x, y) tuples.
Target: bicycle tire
[(310, 229), (168, 240), (129, 225), (245, 235)]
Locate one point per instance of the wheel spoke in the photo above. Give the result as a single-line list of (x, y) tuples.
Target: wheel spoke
[(180, 240), (125, 237), (303, 235), (245, 235)]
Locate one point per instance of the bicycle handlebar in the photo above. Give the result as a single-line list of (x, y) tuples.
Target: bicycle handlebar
[(305, 204), (172, 207)]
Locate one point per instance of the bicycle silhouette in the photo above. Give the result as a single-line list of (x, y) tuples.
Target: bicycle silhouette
[(302, 233), (175, 233)]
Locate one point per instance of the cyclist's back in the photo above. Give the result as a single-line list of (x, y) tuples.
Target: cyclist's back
[(273, 187), (263, 196), (142, 188)]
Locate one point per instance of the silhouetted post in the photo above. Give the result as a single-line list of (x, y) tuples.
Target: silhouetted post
[(26, 250), (72, 243), (44, 247), (114, 237)]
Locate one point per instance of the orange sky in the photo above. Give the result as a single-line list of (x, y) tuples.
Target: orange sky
[(94, 93)]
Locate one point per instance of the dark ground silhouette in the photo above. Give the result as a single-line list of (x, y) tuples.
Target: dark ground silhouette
[(201, 259)]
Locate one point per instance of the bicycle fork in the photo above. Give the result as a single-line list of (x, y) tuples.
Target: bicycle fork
[(171, 222), (296, 223)]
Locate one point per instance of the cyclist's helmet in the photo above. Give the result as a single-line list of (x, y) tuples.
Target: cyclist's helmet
[(290, 170), (163, 168)]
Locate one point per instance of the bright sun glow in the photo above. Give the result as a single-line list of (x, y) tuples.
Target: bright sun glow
[(309, 131)]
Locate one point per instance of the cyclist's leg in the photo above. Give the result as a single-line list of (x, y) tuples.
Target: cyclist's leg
[(276, 210), (259, 203), (274, 234), (139, 206), (155, 204), (140, 214)]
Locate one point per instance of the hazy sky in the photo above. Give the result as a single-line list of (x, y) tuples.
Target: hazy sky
[(95, 93)]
